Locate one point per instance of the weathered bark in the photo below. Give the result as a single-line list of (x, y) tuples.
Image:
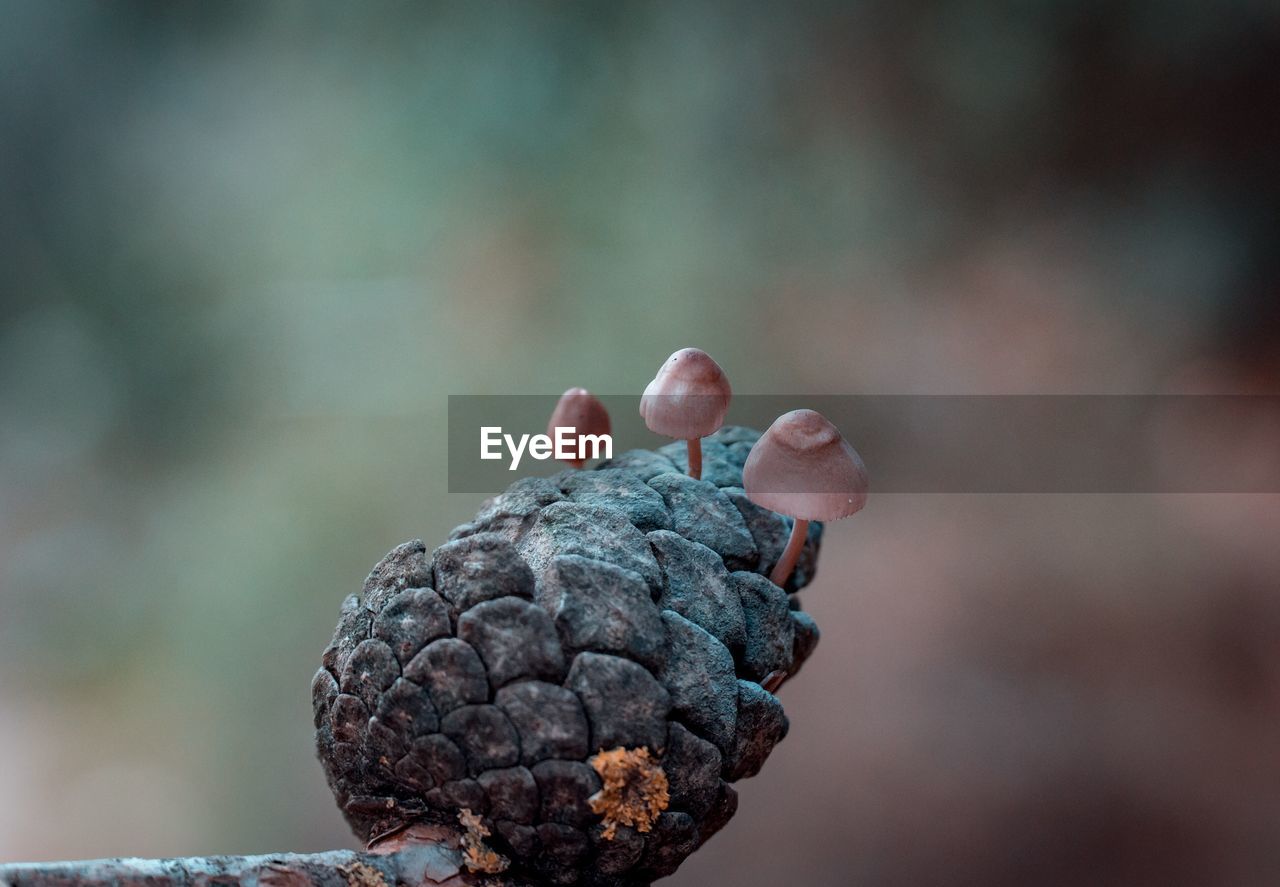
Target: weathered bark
[(438, 864)]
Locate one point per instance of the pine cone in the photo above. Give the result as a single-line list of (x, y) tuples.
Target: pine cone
[(623, 610)]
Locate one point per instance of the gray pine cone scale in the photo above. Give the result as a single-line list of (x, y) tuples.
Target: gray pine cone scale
[(622, 606)]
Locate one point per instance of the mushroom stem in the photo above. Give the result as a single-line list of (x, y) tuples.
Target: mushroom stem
[(786, 563), (695, 457), (774, 680)]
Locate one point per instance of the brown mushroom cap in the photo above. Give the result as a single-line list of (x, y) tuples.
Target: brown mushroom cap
[(803, 467), (688, 398), (581, 410)]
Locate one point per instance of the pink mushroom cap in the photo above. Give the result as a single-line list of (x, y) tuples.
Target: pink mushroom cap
[(581, 410), (804, 468), (689, 397)]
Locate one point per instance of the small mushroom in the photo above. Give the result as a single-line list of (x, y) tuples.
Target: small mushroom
[(804, 468), (581, 410), (687, 400)]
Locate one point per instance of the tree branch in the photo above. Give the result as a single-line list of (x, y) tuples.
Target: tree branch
[(437, 863)]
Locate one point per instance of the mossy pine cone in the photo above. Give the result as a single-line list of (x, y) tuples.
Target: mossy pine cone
[(624, 606)]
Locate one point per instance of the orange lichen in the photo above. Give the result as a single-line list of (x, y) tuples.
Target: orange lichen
[(634, 790), (359, 874), (477, 855)]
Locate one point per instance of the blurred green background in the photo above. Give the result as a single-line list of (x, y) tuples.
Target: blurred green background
[(250, 248)]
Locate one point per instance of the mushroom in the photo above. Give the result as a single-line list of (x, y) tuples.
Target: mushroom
[(581, 410), (804, 468), (687, 400)]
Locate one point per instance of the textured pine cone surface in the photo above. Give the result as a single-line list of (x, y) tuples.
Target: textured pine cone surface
[(622, 607)]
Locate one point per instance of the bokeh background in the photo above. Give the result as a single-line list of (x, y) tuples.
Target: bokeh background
[(249, 248)]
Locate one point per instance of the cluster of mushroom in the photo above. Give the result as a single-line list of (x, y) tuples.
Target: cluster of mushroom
[(801, 467)]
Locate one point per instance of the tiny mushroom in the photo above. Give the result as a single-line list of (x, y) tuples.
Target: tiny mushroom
[(802, 467), (582, 412), (687, 400)]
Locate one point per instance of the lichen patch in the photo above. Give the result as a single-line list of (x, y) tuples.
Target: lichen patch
[(477, 855), (634, 790), (359, 874)]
